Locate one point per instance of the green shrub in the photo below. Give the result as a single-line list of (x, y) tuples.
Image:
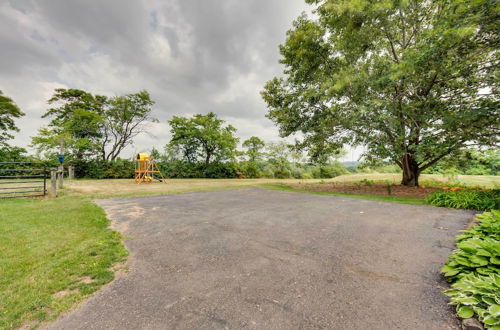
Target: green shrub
[(328, 171), (306, 176), (99, 169), (474, 255), (480, 295), (267, 172), (482, 200), (296, 172), (12, 154), (282, 174), (183, 169), (478, 249), (250, 169), (367, 182), (488, 226), (469, 161), (219, 170), (475, 266)]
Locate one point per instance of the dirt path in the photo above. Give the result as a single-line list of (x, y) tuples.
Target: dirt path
[(265, 259)]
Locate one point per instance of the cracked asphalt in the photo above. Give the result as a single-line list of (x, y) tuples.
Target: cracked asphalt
[(266, 259)]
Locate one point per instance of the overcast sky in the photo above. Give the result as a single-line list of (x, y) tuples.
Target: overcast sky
[(193, 56)]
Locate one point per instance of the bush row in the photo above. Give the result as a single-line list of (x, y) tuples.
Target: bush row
[(481, 200), (474, 269), (98, 169), (182, 169), (122, 168)]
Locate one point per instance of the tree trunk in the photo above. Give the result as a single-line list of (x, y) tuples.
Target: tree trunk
[(411, 171)]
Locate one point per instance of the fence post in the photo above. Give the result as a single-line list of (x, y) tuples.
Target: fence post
[(60, 177), (71, 172), (53, 183)]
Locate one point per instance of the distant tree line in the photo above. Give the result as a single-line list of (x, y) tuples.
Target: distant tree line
[(205, 146), (467, 162), (91, 131)]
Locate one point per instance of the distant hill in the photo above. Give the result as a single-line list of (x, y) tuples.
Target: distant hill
[(352, 163)]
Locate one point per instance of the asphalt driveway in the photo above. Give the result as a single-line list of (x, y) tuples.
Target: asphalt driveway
[(264, 259)]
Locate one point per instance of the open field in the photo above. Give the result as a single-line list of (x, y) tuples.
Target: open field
[(126, 187)]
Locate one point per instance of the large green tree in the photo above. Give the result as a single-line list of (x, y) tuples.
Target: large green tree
[(9, 111), (75, 126), (86, 126), (125, 117), (204, 138), (254, 146), (253, 163), (413, 81), (278, 155)]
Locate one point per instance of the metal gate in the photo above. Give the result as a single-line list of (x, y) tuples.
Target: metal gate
[(22, 179)]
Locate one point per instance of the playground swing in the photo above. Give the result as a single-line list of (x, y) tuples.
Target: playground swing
[(146, 168)]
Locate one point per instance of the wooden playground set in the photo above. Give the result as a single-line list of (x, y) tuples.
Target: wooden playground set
[(146, 170)]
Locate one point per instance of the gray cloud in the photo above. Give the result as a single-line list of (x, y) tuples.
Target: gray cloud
[(193, 56)]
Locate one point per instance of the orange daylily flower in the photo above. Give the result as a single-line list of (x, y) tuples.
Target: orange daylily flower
[(454, 188), (446, 188)]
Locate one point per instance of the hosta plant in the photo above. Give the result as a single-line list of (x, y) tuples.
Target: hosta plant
[(478, 295), (473, 255), (488, 225)]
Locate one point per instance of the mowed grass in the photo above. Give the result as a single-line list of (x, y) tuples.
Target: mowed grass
[(126, 187), (53, 253)]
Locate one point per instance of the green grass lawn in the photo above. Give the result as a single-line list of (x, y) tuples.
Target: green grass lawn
[(53, 252)]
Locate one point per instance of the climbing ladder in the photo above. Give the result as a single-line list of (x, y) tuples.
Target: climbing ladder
[(146, 169)]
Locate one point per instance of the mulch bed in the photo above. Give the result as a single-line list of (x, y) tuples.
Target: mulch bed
[(364, 189)]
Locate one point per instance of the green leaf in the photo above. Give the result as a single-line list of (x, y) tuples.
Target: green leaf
[(494, 310), (465, 312), (484, 253), (481, 261), (451, 292), (463, 261), (467, 301), (488, 300), (483, 270), (490, 320), (448, 271)]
